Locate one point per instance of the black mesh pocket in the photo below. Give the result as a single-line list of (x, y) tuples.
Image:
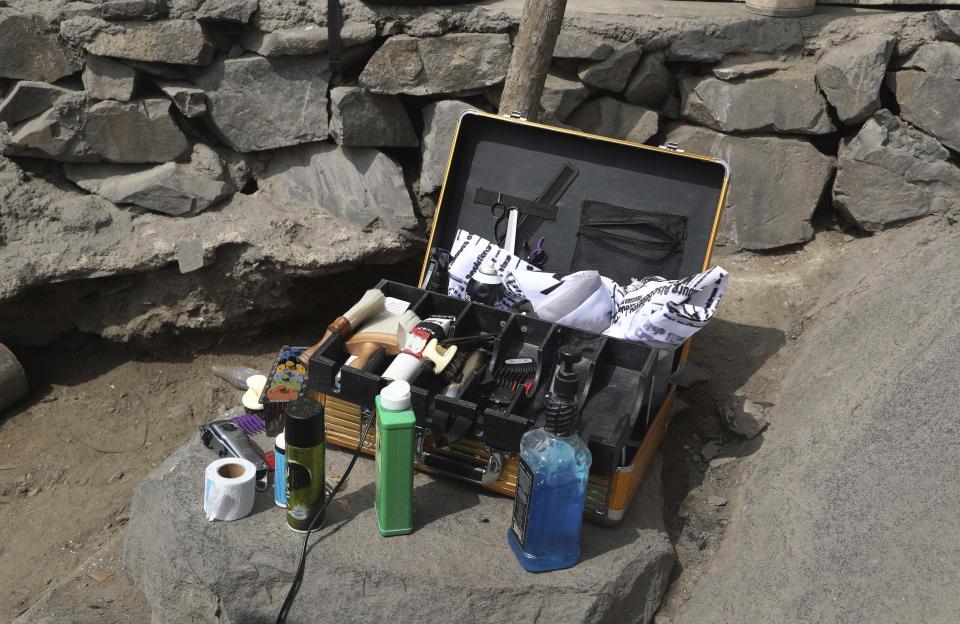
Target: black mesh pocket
[(622, 243)]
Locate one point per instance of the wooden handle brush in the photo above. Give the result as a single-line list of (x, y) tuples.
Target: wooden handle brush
[(371, 304), (385, 331)]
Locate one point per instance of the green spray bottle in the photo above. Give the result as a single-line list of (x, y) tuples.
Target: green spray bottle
[(395, 442), (305, 462)]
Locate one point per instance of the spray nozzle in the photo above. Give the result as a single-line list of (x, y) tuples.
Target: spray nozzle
[(567, 380)]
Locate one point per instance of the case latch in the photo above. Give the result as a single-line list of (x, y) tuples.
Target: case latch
[(673, 147)]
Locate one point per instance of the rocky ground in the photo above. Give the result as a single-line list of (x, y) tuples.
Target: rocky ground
[(151, 198), (733, 386)]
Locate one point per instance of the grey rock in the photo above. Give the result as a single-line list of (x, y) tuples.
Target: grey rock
[(426, 25), (850, 76), (621, 575), (451, 64), (439, 125), (736, 69), (562, 94), (133, 9), (28, 51), (651, 82), (613, 72), (107, 79), (743, 417), (361, 118), (287, 107), (710, 450), (609, 117), (238, 11), (181, 42), (170, 188), (927, 101), (787, 101), (304, 40), (28, 99), (939, 58), (890, 172), (760, 214), (188, 98), (357, 184), (76, 130), (577, 43), (483, 20), (946, 25), (839, 498), (692, 374), (189, 255), (717, 501)]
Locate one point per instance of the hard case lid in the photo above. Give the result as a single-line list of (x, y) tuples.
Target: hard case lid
[(513, 157)]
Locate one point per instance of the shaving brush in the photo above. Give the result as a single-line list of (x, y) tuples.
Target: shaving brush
[(371, 304)]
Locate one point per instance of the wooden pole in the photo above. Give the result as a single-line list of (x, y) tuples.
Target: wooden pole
[(532, 51)]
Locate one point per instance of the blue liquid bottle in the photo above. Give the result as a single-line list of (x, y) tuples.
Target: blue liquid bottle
[(552, 481)]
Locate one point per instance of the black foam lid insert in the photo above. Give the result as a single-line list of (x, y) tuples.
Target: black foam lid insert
[(519, 159)]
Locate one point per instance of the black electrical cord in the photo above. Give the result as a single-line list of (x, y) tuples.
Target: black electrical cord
[(298, 577)]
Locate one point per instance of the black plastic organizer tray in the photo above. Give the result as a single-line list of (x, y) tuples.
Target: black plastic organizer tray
[(615, 376)]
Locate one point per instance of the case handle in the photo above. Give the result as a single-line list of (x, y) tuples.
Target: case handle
[(465, 472)]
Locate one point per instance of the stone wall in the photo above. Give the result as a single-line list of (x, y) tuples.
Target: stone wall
[(187, 164)]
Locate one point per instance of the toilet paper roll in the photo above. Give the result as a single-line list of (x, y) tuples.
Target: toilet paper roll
[(229, 489)]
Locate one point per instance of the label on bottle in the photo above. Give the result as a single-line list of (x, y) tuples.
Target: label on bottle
[(521, 504)]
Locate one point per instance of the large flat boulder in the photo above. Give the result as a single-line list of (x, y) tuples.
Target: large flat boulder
[(181, 42), (850, 76), (439, 125), (256, 103), (787, 101), (361, 118), (889, 172), (357, 184), (776, 185), (29, 51), (848, 511), (455, 566), (450, 64), (77, 129), (928, 100)]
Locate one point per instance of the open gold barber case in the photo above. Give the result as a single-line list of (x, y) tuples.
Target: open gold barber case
[(666, 207)]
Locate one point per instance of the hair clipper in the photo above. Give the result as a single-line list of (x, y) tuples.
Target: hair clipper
[(227, 438)]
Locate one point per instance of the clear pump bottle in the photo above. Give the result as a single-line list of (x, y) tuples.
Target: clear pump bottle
[(552, 481)]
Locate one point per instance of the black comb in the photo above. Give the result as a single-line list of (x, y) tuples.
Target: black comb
[(529, 224)]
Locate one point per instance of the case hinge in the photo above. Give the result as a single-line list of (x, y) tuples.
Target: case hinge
[(515, 115), (673, 147)]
